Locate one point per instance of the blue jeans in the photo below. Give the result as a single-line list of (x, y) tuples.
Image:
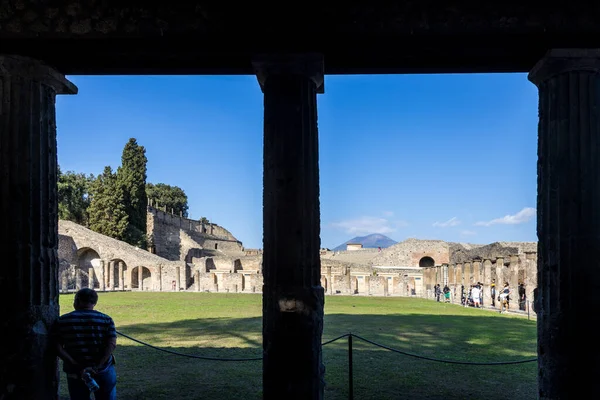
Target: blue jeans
[(107, 380)]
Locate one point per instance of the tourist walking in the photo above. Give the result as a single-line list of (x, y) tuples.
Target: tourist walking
[(476, 292), (504, 298), (85, 340), (438, 291)]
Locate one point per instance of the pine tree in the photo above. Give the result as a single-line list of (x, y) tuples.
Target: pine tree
[(107, 213), (131, 177)]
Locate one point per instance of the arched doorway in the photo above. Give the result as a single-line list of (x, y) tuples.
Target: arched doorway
[(324, 283), (117, 274), (141, 278), (88, 258), (426, 262)]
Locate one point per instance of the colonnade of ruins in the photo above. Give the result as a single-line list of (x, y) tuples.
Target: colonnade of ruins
[(513, 269), (106, 279), (568, 224)]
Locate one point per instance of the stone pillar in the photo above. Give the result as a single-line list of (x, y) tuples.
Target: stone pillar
[(197, 281), (111, 275), (513, 279), (445, 275), (329, 281), (177, 278), (78, 279), (29, 208), (140, 278), (292, 296), (160, 278), (468, 275), (102, 277), (121, 275), (487, 280), (476, 271), (64, 281), (568, 222), (500, 279), (91, 277)]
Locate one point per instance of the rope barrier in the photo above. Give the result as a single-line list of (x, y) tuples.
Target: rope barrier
[(349, 335), (189, 355), (440, 360), (336, 339)]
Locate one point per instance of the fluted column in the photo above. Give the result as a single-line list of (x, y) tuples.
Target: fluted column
[(292, 296), (568, 222), (29, 225)]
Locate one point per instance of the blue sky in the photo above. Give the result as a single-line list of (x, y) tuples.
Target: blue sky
[(449, 157)]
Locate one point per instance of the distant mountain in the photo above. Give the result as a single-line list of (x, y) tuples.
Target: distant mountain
[(370, 241)]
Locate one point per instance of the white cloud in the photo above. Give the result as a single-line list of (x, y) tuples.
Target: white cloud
[(451, 222), (388, 213), (368, 225), (468, 233), (525, 215)]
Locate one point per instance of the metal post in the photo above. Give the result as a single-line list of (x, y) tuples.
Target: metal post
[(350, 371)]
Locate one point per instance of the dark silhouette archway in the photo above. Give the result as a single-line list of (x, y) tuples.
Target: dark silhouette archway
[(426, 262)]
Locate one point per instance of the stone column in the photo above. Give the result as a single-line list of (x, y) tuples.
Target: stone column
[(160, 274), (121, 275), (329, 281), (513, 279), (102, 277), (29, 231), (111, 275), (292, 296), (91, 277), (140, 278), (197, 281), (500, 279), (476, 270), (468, 275), (78, 279), (568, 222), (64, 281), (177, 278), (487, 280)]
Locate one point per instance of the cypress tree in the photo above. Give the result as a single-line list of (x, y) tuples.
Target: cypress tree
[(131, 177), (107, 213)]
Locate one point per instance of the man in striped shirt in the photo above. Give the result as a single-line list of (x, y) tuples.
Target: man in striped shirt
[(85, 340)]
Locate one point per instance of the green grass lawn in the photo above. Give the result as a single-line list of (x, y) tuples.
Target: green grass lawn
[(229, 326)]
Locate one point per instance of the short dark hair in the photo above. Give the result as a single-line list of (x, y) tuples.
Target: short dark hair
[(86, 296)]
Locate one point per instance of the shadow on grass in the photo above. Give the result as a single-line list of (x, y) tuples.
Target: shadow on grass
[(145, 373)]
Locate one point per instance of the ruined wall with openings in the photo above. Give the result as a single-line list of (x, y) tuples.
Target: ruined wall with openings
[(178, 238)]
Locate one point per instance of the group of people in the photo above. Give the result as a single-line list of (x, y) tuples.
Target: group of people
[(438, 293), (474, 296)]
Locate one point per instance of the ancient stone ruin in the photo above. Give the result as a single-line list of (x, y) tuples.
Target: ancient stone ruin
[(186, 255)]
